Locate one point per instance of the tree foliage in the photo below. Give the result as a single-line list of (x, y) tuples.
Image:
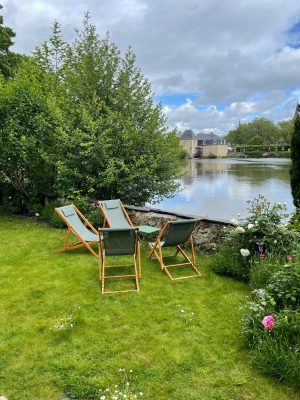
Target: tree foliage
[(80, 118), (29, 133), (261, 132), (119, 146), (295, 169), (8, 59)]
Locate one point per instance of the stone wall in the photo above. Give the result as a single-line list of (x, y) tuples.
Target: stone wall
[(207, 234)]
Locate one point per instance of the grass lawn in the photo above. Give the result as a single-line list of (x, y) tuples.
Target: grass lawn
[(173, 354)]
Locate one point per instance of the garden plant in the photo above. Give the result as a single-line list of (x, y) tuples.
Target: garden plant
[(264, 251)]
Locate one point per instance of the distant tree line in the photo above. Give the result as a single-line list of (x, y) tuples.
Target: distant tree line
[(261, 132), (78, 119)]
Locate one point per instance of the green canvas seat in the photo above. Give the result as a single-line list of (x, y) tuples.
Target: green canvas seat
[(79, 226), (175, 234), (119, 242), (115, 216)]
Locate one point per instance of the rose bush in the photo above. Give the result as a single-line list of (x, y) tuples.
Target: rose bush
[(271, 324), (264, 234)]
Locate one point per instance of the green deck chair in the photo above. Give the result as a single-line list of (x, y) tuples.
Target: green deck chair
[(175, 234), (115, 216), (119, 242), (80, 226)]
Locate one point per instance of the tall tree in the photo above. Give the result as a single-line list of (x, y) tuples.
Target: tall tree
[(8, 60), (258, 131), (295, 156), (118, 145)]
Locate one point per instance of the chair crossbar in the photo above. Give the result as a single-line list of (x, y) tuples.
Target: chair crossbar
[(118, 276), (119, 265), (119, 291), (185, 277), (178, 265)]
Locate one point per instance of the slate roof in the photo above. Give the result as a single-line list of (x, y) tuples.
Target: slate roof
[(188, 134), (208, 138)]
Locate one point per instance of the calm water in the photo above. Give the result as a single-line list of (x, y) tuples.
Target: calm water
[(219, 189)]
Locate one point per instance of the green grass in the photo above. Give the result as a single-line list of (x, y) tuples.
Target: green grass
[(171, 356)]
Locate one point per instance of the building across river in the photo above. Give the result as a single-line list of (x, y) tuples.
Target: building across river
[(203, 145)]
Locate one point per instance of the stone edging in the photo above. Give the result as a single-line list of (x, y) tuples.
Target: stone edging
[(207, 234)]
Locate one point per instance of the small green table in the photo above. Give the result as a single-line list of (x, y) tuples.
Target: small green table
[(147, 229)]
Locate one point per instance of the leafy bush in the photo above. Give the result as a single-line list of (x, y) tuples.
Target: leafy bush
[(229, 262), (284, 287), (254, 154), (276, 357), (261, 235), (56, 221), (262, 269), (276, 347), (30, 131), (295, 221), (12, 201)]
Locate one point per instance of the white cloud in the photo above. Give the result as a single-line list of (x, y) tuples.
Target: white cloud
[(237, 53)]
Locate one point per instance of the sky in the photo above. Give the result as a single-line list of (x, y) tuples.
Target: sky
[(211, 63)]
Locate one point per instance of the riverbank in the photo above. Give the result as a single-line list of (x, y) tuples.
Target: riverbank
[(207, 234)]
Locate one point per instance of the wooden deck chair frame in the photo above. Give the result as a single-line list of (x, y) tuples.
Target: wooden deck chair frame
[(103, 266), (70, 229), (156, 250), (107, 223)]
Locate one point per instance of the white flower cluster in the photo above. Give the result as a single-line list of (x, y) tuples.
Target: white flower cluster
[(187, 315), (234, 221), (64, 323), (122, 391), (240, 229), (260, 293), (245, 252)]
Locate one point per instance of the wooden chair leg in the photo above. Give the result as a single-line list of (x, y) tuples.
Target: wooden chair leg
[(67, 238), (139, 258), (152, 249), (136, 274), (103, 272)]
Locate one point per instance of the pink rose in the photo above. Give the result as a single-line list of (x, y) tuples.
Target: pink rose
[(268, 322), (289, 258)]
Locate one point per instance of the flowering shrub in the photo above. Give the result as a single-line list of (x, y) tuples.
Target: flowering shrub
[(263, 268), (271, 324), (262, 235), (245, 252), (268, 322)]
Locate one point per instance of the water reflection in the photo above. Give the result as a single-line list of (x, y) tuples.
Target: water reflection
[(220, 188)]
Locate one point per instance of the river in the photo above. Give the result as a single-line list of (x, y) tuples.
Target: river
[(219, 188)]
